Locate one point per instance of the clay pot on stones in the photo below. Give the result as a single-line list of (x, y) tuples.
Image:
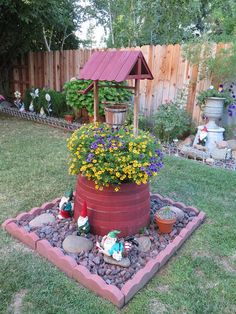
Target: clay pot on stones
[(165, 219), (69, 118)]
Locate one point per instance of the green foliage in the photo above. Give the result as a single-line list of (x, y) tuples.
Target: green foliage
[(42, 25), (106, 94), (171, 121), (163, 22), (58, 100), (213, 92), (166, 213), (220, 68)]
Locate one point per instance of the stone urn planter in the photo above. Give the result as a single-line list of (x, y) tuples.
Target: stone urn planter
[(116, 114), (213, 111), (127, 210)]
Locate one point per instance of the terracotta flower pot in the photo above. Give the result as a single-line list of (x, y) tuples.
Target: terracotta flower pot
[(127, 210), (165, 225), (69, 118)]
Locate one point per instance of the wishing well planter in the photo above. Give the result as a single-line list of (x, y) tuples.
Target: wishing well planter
[(126, 210)]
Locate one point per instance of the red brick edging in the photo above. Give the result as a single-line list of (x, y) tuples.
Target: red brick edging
[(94, 282)]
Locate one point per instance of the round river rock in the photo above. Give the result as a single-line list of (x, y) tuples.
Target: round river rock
[(144, 244), (76, 244), (124, 262), (41, 220)]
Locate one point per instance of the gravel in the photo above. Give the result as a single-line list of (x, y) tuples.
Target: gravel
[(57, 231)]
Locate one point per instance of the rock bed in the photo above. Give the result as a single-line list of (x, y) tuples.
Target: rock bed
[(229, 164), (57, 231)]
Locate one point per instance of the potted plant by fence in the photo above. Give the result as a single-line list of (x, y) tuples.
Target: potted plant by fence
[(165, 219), (79, 101), (216, 67), (113, 169), (212, 102), (69, 116)]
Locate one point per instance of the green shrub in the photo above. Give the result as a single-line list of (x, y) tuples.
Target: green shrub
[(27, 99), (58, 100), (171, 121), (106, 94)]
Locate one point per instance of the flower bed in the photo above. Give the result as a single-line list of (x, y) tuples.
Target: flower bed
[(112, 282)]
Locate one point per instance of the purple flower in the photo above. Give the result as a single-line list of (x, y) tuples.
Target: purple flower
[(90, 157)]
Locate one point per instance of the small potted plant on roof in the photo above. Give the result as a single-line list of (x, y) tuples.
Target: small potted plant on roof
[(165, 219)]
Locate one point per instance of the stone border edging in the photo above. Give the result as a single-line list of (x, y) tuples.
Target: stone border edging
[(92, 281), (51, 121)]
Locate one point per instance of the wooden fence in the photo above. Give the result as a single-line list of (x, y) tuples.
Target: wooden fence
[(171, 74)]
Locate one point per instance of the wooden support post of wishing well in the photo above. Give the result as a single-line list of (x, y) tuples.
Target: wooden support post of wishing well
[(96, 101)]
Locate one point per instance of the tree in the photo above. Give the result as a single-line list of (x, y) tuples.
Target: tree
[(139, 22), (37, 25)]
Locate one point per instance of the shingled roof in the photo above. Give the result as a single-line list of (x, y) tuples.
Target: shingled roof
[(116, 66)]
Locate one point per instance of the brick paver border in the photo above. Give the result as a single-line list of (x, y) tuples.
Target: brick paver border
[(94, 282)]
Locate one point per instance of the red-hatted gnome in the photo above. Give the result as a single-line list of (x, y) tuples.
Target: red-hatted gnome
[(66, 205), (203, 136), (83, 222)]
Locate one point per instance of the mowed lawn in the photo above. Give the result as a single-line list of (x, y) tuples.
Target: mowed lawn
[(200, 278)]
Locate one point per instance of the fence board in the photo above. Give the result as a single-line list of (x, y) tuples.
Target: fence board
[(170, 71)]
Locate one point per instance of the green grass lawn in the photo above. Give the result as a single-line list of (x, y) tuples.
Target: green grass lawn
[(200, 278)]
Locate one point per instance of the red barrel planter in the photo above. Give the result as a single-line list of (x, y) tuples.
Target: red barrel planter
[(127, 210)]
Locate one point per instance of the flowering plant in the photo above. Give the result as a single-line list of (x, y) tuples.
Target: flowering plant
[(214, 92), (111, 156)]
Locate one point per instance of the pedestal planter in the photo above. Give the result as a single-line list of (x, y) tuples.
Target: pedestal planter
[(116, 115), (213, 110), (127, 210)]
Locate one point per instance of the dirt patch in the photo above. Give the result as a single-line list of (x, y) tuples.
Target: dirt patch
[(226, 265), (14, 247), (201, 254), (156, 307), (164, 288), (16, 305)]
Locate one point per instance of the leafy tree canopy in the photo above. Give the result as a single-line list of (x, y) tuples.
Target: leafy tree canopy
[(139, 22)]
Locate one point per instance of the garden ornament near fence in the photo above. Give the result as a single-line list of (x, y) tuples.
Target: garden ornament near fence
[(203, 136), (34, 94), (49, 108), (110, 246), (42, 113), (83, 221), (18, 102), (66, 205)]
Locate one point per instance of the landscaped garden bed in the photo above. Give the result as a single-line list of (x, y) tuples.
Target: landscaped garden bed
[(116, 283)]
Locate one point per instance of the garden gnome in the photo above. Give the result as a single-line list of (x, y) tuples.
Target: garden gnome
[(110, 245), (31, 107), (83, 222), (66, 205), (49, 109), (203, 136), (42, 113)]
